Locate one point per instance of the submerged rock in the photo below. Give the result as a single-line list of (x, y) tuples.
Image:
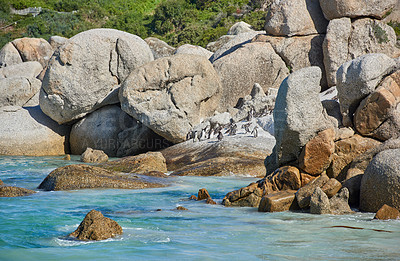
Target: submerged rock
[(181, 208), (85, 177), (8, 191), (96, 227)]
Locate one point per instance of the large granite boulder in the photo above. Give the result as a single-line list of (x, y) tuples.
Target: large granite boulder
[(298, 51), (346, 40), (29, 132), (381, 182), (27, 70), (298, 116), (356, 8), (159, 48), (17, 91), (234, 43), (84, 73), (336, 47), (80, 176), (295, 17), (173, 94), (96, 227), (316, 155), (34, 49), (56, 41), (193, 49), (116, 133), (214, 46), (240, 154), (8, 191), (9, 55), (377, 108), (244, 67), (358, 78)]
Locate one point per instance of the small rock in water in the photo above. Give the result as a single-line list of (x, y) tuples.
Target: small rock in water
[(193, 197), (67, 157), (203, 194), (181, 208), (387, 212), (8, 191), (211, 202), (158, 209), (96, 227), (90, 156)]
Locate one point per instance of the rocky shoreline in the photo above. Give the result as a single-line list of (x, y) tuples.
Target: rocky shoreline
[(310, 106)]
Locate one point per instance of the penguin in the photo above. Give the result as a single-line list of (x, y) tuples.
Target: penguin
[(246, 127), (220, 136), (255, 132), (189, 135), (194, 135), (232, 130), (250, 114)]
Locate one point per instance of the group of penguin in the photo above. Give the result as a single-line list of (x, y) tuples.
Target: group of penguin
[(217, 130)]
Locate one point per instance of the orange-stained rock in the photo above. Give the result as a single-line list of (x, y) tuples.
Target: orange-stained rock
[(210, 201), (249, 196), (96, 227), (305, 179), (286, 177), (203, 194), (192, 197), (331, 187), (377, 107), (279, 201), (34, 49), (345, 151), (387, 212), (303, 195), (181, 208), (317, 153)]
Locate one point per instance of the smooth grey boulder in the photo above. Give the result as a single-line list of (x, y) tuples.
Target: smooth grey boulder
[(381, 182), (346, 40), (298, 116), (9, 55), (193, 49), (336, 47), (172, 94), (372, 36), (298, 51), (358, 78), (295, 17), (84, 73), (234, 43), (56, 41), (250, 64), (17, 91), (27, 70), (240, 27), (356, 8), (113, 131), (319, 203), (34, 49), (214, 46), (159, 48), (29, 132)]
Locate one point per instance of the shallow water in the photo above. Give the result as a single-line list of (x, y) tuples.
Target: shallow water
[(34, 227)]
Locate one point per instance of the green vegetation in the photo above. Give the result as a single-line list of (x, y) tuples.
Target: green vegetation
[(380, 34), (396, 27), (174, 21)]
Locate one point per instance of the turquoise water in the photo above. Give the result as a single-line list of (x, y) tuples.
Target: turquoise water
[(34, 227)]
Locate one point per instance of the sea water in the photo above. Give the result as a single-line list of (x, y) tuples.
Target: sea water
[(35, 227)]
